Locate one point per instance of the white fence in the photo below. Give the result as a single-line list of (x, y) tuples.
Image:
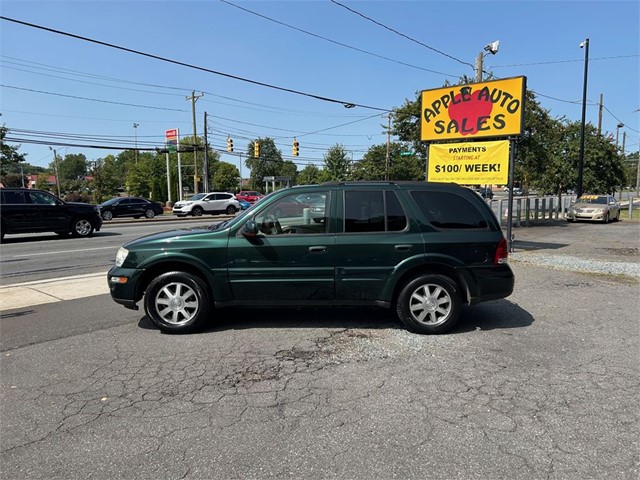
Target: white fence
[(532, 210)]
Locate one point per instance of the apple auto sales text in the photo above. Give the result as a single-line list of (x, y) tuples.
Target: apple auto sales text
[(469, 125)]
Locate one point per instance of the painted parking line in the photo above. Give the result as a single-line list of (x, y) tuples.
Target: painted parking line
[(40, 292)]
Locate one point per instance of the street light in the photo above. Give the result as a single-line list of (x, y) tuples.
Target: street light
[(135, 133), (55, 165), (584, 45), (618, 127)]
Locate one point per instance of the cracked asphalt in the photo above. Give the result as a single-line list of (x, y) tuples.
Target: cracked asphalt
[(541, 385)]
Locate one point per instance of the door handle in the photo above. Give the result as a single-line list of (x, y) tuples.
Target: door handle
[(318, 249), (403, 248)]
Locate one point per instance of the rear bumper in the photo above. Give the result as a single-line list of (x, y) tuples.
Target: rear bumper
[(491, 283)]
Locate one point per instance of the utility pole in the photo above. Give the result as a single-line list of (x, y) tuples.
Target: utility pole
[(193, 99), (386, 170), (135, 133), (600, 115), (206, 156), (479, 67)]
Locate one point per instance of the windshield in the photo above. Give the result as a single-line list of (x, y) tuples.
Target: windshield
[(197, 196), (234, 220), (593, 199), (111, 201)]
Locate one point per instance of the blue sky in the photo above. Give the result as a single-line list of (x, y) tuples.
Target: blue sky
[(61, 89)]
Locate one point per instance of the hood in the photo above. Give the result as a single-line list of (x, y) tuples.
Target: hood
[(178, 233)]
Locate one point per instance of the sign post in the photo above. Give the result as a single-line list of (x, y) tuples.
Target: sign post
[(172, 140)]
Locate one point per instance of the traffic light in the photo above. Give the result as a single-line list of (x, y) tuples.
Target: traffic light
[(256, 149), (296, 147), (229, 144)]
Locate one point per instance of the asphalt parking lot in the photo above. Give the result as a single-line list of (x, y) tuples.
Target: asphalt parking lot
[(543, 384)]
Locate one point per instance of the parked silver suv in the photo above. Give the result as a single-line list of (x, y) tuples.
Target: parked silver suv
[(212, 203)]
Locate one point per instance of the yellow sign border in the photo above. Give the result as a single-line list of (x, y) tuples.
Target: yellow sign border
[(505, 118)]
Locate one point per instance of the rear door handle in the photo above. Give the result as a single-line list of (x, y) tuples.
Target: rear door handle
[(319, 249), (403, 248)]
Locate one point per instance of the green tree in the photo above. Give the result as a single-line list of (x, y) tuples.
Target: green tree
[(226, 177), (71, 167), (309, 175), (603, 169), (337, 164), (138, 180), (105, 179), (269, 163), (9, 155)]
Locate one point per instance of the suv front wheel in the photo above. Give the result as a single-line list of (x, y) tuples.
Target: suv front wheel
[(81, 228), (177, 302), (429, 304)]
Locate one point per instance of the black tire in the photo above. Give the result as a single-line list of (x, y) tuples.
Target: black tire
[(149, 213), (617, 219), (429, 304), (197, 211), (81, 227), (107, 215), (178, 302), (231, 210), (606, 218)]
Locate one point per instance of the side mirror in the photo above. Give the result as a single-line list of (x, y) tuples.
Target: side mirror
[(250, 229)]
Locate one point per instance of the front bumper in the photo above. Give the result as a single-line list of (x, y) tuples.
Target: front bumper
[(124, 290)]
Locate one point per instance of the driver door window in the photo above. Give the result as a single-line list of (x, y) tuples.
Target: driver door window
[(295, 214)]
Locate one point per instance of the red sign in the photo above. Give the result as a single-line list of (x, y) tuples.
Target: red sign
[(171, 134)]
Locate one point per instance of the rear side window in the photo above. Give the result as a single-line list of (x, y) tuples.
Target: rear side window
[(448, 210), (12, 197), (373, 211)]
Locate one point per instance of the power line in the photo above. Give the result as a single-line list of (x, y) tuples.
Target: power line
[(334, 41), (400, 33), (91, 99), (181, 89), (195, 67)]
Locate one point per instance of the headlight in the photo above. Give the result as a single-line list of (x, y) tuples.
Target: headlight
[(121, 256)]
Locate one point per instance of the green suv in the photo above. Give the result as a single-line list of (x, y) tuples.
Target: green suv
[(423, 249)]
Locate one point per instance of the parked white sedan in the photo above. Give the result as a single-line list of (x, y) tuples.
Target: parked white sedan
[(598, 208)]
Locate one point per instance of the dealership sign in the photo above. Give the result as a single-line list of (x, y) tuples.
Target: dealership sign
[(472, 163), (478, 110), (171, 139)]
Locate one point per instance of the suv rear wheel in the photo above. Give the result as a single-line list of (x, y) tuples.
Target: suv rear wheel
[(231, 210), (177, 302), (429, 304)]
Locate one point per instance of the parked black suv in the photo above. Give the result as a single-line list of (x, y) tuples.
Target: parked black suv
[(423, 249), (26, 210)]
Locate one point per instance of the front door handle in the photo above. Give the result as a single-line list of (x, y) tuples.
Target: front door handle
[(403, 248), (319, 249)]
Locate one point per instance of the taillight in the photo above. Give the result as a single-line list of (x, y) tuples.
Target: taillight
[(502, 253)]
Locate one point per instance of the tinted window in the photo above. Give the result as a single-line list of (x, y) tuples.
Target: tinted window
[(42, 198), (364, 211), (396, 218), (12, 197), (448, 210)]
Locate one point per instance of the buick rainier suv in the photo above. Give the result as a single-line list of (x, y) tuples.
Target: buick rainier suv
[(421, 249)]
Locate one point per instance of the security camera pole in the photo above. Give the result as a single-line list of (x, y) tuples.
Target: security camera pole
[(491, 48)]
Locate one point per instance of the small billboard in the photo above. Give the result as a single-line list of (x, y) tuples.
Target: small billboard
[(477, 110)]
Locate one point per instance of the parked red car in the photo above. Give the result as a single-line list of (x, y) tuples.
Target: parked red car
[(250, 196)]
